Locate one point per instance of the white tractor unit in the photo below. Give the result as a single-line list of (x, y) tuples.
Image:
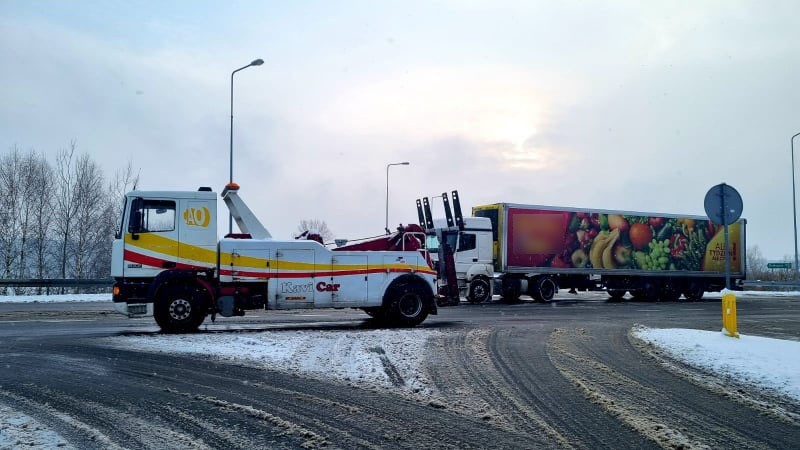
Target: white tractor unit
[(167, 254)]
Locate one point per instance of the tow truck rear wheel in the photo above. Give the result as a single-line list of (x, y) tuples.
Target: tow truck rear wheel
[(180, 307), (405, 303), (479, 290)]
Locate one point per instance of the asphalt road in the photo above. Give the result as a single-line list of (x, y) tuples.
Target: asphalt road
[(563, 374)]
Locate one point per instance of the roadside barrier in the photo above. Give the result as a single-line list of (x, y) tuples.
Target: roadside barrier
[(729, 315)]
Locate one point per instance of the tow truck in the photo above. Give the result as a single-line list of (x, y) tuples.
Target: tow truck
[(167, 259)]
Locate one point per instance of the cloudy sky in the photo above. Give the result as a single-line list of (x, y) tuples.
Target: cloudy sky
[(622, 105)]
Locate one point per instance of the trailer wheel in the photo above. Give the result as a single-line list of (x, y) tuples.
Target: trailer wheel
[(405, 303), (543, 289), (694, 291), (670, 292), (648, 291), (616, 294), (479, 290), (180, 307)]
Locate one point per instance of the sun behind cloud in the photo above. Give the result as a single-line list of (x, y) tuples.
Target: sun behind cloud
[(505, 111)]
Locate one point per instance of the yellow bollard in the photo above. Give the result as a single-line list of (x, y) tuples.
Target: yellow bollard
[(729, 315)]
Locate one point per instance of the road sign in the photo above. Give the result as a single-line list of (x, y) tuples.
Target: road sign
[(783, 265), (723, 204)]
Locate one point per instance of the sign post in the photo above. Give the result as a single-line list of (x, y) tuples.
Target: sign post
[(724, 206)]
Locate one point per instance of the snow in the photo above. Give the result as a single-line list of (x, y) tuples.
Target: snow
[(20, 431), (55, 298), (768, 363), (742, 294), (376, 358)]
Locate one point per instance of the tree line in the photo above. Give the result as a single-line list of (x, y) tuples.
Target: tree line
[(58, 219), (757, 268)]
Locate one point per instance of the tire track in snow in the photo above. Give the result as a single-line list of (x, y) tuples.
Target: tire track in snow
[(64, 423), (468, 363), (769, 405), (649, 409), (521, 358)]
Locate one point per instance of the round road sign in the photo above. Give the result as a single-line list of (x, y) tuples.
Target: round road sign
[(723, 204)]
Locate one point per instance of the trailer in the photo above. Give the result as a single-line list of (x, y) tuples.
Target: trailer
[(167, 257), (515, 249)]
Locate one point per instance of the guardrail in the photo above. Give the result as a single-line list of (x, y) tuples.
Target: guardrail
[(57, 282), (772, 285)]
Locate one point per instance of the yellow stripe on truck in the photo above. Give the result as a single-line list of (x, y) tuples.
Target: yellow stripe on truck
[(169, 247)]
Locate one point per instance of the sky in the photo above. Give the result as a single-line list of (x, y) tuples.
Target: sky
[(638, 106)]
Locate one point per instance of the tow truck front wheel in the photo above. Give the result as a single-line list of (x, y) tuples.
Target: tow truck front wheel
[(406, 304), (180, 308)]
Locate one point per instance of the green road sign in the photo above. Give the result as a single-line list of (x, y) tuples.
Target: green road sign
[(786, 265)]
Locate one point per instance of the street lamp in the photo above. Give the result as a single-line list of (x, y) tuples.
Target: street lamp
[(404, 163), (256, 62), (794, 215)]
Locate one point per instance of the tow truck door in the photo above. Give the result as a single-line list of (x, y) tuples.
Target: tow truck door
[(151, 238)]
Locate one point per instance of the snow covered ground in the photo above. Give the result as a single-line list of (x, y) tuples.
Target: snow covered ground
[(764, 362), (378, 358), (20, 431), (55, 298)]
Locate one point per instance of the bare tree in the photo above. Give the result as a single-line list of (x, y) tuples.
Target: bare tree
[(25, 208), (10, 171), (41, 224), (756, 264), (65, 204), (87, 230), (123, 181), (315, 224)]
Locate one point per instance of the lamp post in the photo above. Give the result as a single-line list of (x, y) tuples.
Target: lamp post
[(794, 213), (256, 62), (404, 163)]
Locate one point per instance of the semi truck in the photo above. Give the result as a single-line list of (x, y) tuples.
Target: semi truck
[(167, 259), (515, 249)]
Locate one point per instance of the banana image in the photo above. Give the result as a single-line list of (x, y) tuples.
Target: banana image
[(598, 255), (608, 251)]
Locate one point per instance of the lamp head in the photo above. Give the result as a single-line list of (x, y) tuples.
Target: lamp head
[(257, 62)]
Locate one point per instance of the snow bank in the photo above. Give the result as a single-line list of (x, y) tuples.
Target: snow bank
[(20, 431), (765, 362), (382, 358), (55, 298)]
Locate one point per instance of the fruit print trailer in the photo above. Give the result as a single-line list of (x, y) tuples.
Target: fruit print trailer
[(591, 240)]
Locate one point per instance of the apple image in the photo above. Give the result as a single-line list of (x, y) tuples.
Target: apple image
[(622, 255), (617, 222), (579, 258)]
